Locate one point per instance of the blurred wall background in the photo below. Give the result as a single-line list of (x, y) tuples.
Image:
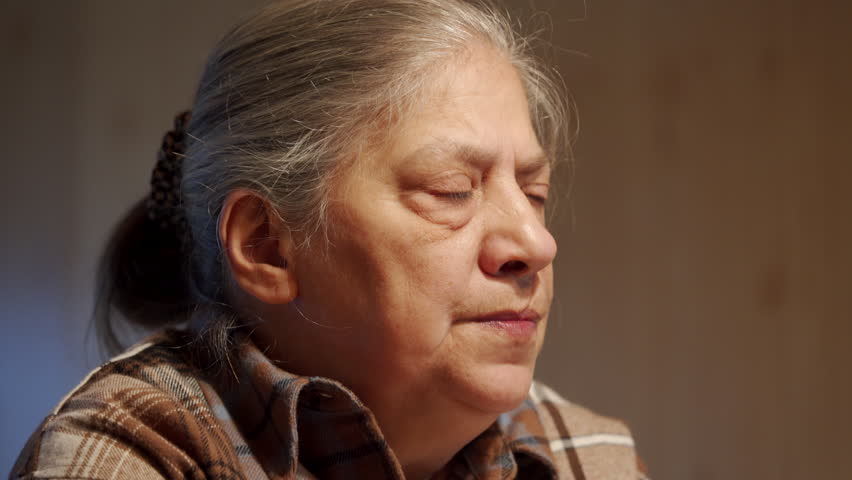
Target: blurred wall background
[(704, 279)]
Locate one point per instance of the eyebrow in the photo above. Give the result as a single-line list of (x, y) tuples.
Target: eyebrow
[(481, 158)]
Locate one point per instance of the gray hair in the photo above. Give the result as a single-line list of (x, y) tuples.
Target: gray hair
[(295, 90)]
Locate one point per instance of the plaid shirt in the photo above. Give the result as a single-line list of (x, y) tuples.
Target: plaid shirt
[(152, 413)]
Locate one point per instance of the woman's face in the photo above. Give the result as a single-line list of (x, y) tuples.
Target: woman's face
[(438, 281)]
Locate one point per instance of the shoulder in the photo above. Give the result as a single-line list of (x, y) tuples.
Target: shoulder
[(579, 442), (143, 413), (573, 424)]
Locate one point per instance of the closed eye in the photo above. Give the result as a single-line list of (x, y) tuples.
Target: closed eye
[(537, 199), (455, 196), (537, 193)]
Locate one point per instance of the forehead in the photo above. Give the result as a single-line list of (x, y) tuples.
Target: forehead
[(474, 110), (480, 157)]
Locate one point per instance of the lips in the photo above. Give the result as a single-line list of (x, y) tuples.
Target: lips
[(527, 315), (520, 325)]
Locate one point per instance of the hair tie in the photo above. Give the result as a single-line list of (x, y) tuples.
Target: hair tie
[(164, 202)]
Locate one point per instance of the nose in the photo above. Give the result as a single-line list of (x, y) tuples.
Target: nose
[(516, 241)]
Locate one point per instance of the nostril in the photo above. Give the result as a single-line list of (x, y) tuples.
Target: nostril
[(513, 267)]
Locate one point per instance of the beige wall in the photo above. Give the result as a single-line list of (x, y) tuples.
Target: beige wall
[(704, 268), (705, 288)]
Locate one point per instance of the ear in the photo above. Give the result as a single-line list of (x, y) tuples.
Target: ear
[(257, 245)]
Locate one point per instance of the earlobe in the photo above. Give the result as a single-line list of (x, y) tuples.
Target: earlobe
[(257, 245)]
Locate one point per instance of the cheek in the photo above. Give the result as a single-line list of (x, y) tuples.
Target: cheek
[(421, 288), (412, 274), (425, 282), (443, 260)]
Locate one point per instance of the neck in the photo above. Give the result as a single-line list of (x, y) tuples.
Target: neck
[(426, 441)]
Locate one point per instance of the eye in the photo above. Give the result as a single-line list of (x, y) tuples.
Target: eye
[(537, 199), (537, 193), (453, 188), (459, 196)]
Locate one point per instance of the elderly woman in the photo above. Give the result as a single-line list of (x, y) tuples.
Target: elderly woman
[(351, 226)]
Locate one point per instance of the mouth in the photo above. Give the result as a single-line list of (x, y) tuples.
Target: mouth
[(520, 325)]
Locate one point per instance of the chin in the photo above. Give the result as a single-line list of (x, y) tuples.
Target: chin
[(500, 388)]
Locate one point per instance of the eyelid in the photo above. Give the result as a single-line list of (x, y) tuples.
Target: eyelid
[(451, 185), (541, 190), (455, 196)]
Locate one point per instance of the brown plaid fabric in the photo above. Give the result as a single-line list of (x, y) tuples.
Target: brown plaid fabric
[(154, 413)]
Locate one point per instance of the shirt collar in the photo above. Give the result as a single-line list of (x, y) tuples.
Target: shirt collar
[(287, 420)]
